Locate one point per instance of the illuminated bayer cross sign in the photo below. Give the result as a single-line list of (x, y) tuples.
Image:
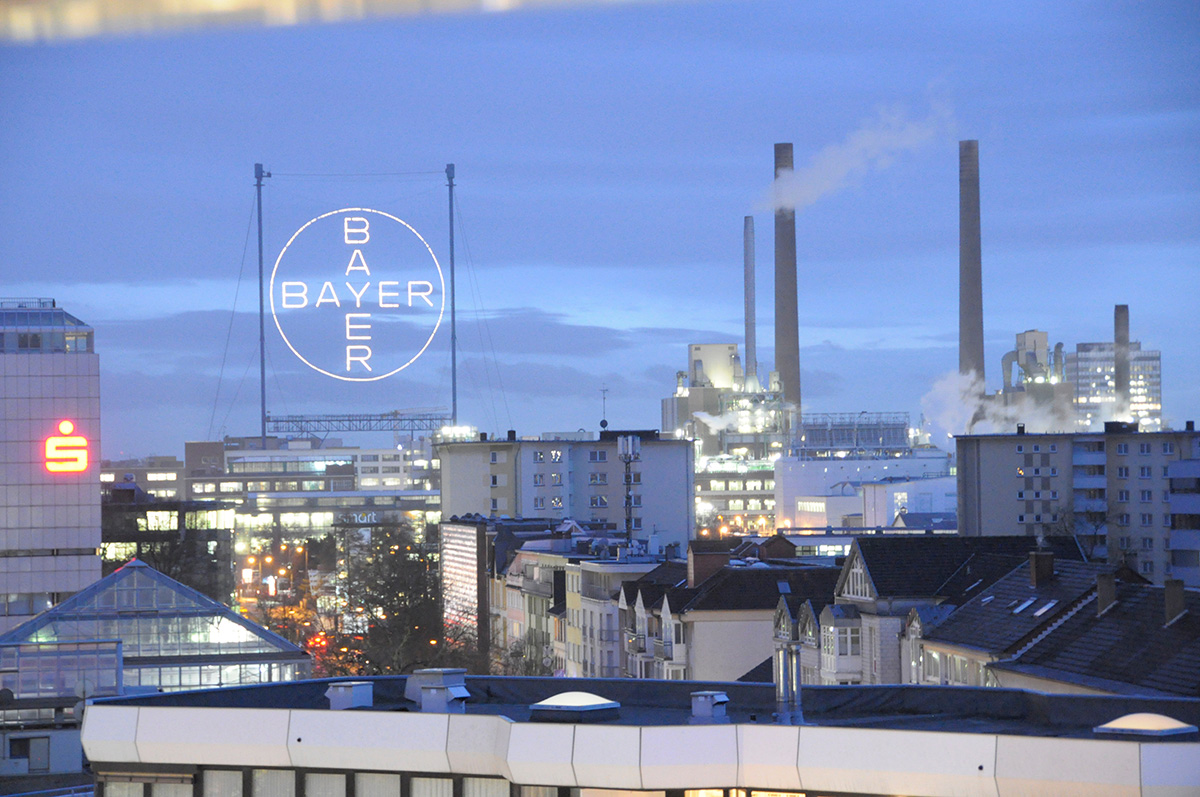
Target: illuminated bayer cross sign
[(357, 294)]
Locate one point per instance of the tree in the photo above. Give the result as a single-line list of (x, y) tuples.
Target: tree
[(524, 657), (389, 620), (1088, 528)]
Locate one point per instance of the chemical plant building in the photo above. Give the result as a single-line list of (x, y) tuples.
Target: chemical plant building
[(1113, 490), (436, 733), (49, 464)]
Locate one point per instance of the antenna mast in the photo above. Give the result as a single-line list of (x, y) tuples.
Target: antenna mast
[(259, 174), (453, 321)]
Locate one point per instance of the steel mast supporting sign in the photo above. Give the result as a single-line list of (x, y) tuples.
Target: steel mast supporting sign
[(357, 294)]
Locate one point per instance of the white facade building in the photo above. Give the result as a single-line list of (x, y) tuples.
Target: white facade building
[(49, 458), (799, 479), (581, 479)]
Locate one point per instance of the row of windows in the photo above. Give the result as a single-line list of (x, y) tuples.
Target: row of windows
[(1037, 471), (1037, 448), (736, 485), (1043, 518), (1145, 496), (1145, 519), (1036, 495), (1146, 448), (1144, 472), (290, 783)]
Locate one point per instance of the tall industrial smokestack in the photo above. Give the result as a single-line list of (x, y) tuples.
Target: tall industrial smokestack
[(751, 368), (970, 263), (787, 316), (1121, 361)]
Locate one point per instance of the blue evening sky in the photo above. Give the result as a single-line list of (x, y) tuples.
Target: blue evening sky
[(606, 157)]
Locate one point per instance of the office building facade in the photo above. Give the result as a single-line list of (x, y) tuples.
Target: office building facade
[(49, 458), (1091, 368)]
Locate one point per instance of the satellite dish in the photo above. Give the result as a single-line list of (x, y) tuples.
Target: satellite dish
[(603, 424), (547, 661), (84, 688)]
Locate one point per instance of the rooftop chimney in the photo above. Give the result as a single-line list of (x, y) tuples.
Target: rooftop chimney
[(751, 317), (1173, 595), (1121, 361), (350, 694), (1041, 568), (1106, 592), (702, 564), (708, 708), (970, 263), (787, 314), (439, 690)]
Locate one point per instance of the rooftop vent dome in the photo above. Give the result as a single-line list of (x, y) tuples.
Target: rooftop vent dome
[(575, 707), (1146, 724)]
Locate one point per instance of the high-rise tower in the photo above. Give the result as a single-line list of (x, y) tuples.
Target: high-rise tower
[(49, 458)]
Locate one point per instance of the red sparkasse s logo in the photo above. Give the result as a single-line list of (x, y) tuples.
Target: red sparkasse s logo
[(66, 452)]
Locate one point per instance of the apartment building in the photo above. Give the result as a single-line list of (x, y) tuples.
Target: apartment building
[(717, 622), (1110, 489), (622, 477), (856, 637), (1067, 627)]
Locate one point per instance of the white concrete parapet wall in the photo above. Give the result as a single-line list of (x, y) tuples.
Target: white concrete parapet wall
[(631, 757)]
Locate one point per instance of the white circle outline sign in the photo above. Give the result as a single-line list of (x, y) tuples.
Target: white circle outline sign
[(441, 281)]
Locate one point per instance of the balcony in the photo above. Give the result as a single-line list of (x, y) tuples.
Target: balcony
[(635, 643), (664, 649), (597, 593), (1091, 505), (607, 635), (1080, 457), (535, 587), (1083, 481)]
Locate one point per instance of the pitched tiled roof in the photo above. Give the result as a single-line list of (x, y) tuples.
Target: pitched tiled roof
[(1003, 616), (749, 588), (946, 565), (762, 673), (1129, 648), (927, 520), (655, 582)]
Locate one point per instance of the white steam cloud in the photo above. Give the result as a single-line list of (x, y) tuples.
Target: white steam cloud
[(870, 148), (956, 404)]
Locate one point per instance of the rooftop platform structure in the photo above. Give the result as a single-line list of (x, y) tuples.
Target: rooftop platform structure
[(436, 732)]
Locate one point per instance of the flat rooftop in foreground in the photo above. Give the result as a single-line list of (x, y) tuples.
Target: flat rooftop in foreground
[(665, 703), (487, 737)]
